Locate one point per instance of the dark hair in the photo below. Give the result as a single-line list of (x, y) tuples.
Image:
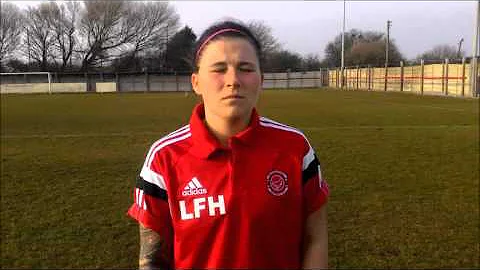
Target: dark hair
[(227, 28)]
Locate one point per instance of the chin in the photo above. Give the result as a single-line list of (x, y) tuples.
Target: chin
[(233, 112)]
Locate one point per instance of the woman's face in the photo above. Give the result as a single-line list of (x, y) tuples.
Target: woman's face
[(229, 78)]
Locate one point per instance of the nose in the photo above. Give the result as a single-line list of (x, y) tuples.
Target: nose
[(231, 78)]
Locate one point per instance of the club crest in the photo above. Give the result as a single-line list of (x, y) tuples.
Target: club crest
[(277, 183)]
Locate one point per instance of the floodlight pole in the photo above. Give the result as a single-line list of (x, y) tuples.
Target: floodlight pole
[(387, 41), (474, 61), (166, 52), (343, 48), (49, 83), (460, 48)]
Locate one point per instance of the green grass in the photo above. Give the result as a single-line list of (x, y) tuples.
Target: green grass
[(403, 171)]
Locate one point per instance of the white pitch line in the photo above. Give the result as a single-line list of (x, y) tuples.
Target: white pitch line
[(442, 108), (389, 127), (77, 135), (427, 107), (119, 134)]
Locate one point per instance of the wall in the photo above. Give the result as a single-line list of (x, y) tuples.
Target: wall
[(24, 88)]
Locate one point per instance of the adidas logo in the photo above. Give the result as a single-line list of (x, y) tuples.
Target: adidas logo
[(194, 188)]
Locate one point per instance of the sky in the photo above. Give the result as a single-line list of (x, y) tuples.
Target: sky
[(306, 27)]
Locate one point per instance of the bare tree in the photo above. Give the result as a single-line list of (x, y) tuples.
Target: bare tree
[(61, 21), (361, 48), (372, 53), (281, 61), (152, 22), (311, 62), (114, 29), (40, 38), (11, 20), (99, 28), (441, 52), (264, 35)]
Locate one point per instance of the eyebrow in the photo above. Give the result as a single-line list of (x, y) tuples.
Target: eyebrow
[(246, 63), (218, 64), (222, 64)]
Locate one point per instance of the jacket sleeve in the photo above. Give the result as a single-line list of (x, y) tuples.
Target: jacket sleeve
[(315, 188), (150, 205)]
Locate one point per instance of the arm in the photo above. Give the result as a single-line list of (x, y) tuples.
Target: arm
[(154, 250), (316, 240)]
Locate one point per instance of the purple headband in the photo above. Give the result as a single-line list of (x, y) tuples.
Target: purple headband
[(215, 34)]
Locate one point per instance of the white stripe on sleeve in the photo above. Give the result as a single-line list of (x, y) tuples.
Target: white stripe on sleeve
[(157, 148), (162, 140), (152, 177), (140, 198), (320, 179), (308, 158), (136, 195)]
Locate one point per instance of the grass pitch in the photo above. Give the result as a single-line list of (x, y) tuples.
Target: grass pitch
[(403, 171)]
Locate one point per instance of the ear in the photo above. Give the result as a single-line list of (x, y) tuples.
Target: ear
[(194, 80)]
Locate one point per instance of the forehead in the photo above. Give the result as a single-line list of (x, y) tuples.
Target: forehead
[(228, 48)]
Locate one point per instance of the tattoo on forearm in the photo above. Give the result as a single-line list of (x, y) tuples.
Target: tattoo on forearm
[(154, 250)]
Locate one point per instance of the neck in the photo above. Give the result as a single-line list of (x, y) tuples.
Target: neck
[(224, 129)]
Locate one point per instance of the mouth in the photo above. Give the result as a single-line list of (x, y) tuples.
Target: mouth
[(233, 97)]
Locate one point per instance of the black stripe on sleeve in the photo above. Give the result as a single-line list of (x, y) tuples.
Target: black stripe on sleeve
[(151, 189), (310, 171)]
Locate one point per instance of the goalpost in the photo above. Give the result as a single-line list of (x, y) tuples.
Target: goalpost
[(7, 80)]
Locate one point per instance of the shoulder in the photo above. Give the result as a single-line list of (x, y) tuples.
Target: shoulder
[(290, 138), (169, 146), (285, 133), (282, 129)]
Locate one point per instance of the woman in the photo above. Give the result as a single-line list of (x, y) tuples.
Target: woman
[(231, 189)]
